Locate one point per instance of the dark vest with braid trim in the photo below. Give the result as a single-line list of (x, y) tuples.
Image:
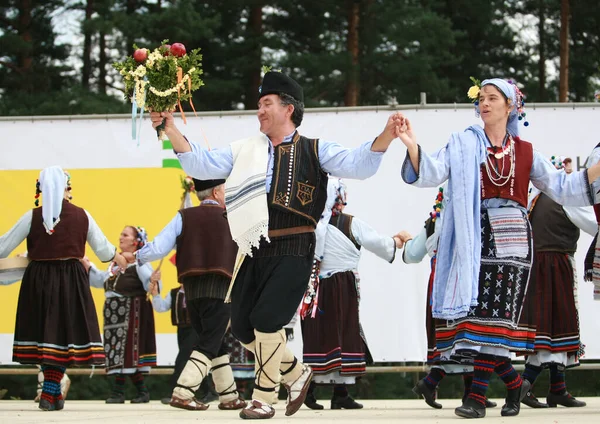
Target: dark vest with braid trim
[(517, 188), (127, 284), (205, 245), (297, 197), (552, 230), (343, 222), (179, 312), (68, 239)]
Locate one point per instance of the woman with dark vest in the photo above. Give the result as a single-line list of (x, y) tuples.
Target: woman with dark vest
[(129, 336), (333, 341), (205, 259), (551, 303), (415, 249), (56, 325), (276, 191), (592, 258), (187, 338), (485, 248)]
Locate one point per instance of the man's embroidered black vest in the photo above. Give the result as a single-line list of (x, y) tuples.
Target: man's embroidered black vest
[(297, 196)]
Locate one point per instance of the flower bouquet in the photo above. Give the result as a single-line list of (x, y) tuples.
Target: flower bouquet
[(160, 80), (187, 184)]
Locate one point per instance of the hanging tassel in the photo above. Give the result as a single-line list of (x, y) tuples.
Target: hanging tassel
[(134, 109)]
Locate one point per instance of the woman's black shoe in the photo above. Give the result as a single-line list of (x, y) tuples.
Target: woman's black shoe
[(311, 402), (345, 402), (116, 398), (512, 407), (421, 389), (470, 409), (490, 404), (565, 400), (533, 402)]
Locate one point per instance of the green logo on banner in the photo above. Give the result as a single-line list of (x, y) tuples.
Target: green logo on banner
[(169, 163)]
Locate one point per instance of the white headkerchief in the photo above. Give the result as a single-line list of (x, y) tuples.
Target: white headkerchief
[(53, 182), (335, 189)]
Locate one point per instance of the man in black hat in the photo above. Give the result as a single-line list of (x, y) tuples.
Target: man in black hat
[(276, 191), (205, 259)]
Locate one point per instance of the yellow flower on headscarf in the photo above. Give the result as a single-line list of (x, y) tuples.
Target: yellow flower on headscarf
[(473, 92)]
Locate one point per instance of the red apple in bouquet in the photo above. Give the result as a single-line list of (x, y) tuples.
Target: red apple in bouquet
[(167, 51), (140, 55), (178, 50)]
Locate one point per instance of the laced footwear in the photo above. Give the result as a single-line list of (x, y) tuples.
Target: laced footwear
[(257, 410), (297, 391), (237, 403), (192, 404)]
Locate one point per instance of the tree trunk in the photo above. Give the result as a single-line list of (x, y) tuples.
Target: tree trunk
[(25, 59), (86, 70), (102, 63), (352, 44), (565, 16), (367, 28), (255, 31), (542, 63)]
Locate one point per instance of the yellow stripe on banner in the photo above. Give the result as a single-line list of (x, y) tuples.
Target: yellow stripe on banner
[(149, 197)]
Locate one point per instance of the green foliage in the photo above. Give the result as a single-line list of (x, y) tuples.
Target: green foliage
[(404, 48), (372, 386), (70, 101)]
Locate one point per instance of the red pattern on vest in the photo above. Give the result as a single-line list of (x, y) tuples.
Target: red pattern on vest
[(517, 188), (68, 239), (205, 245)]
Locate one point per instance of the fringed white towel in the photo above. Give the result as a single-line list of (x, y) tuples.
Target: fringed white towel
[(246, 195)]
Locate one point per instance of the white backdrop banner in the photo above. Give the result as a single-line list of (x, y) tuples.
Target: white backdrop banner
[(393, 295)]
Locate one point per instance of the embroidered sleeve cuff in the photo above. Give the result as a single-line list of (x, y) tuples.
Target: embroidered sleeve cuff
[(112, 257), (408, 172), (138, 259), (395, 250), (592, 197), (369, 144)]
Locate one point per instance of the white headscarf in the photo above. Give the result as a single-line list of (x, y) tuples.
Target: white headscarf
[(53, 182), (335, 188)]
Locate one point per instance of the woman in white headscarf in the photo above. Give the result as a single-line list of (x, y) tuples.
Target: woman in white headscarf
[(334, 345), (485, 247), (56, 325)]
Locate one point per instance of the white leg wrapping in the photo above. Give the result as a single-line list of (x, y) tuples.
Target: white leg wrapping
[(223, 379), (192, 375), (276, 394), (291, 368), (269, 350)]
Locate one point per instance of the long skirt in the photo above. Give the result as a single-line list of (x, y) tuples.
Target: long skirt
[(494, 322), (550, 305), (332, 340), (56, 319), (129, 336), (433, 356)]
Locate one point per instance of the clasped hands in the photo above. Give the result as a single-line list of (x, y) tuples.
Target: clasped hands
[(401, 238)]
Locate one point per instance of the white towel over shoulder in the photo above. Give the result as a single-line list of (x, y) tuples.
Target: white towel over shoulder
[(245, 193)]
